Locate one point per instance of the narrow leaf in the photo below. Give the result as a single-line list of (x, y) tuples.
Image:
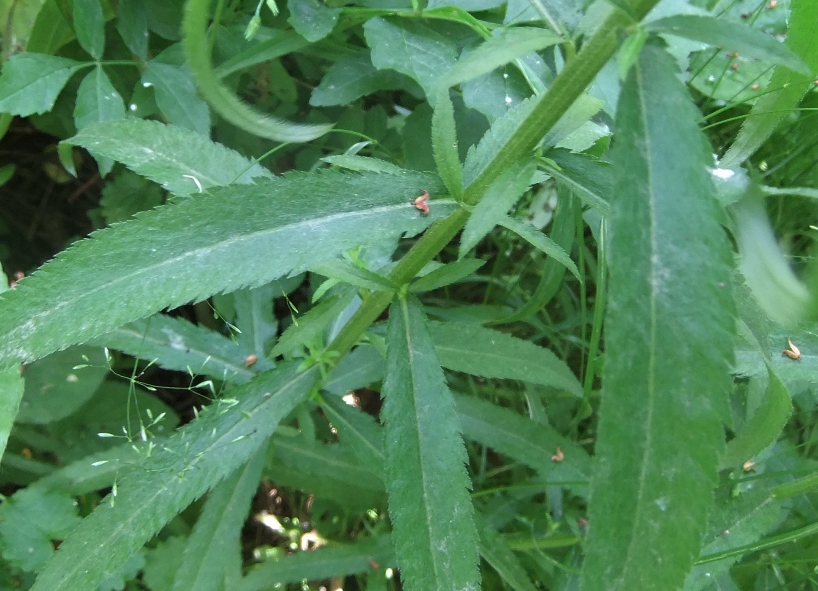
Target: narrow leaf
[(308, 328), (541, 242), (668, 342), (446, 275), (343, 270), (89, 24), (786, 86), (218, 530), (591, 179), (11, 392), (31, 82), (434, 532), (480, 351), (444, 144), (257, 325), (132, 24), (180, 160), (196, 458), (362, 163), (492, 208), (730, 36), (97, 100), (350, 78), (495, 551), (358, 431), (238, 236), (176, 96), (506, 45), (360, 368)]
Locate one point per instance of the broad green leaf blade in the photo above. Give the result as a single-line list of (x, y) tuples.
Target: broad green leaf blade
[(322, 563), (480, 351), (350, 78), (176, 96), (541, 242), (362, 163), (360, 368), (218, 530), (432, 515), (506, 45), (589, 178), (174, 343), (308, 328), (446, 275), (444, 144), (312, 19), (238, 236), (97, 100), (410, 47), (763, 428), (730, 36), (89, 24), (132, 24), (31, 82), (526, 441), (358, 431), (495, 551), (280, 43), (196, 458), (786, 86), (11, 392), (180, 160), (256, 322), (492, 208), (668, 343)]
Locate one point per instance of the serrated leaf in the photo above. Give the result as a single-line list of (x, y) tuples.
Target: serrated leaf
[(322, 563), (196, 458), (444, 145), (785, 90), (176, 96), (564, 11), (280, 43), (31, 82), (360, 368), (362, 163), (349, 79), (342, 270), (89, 24), (180, 160), (542, 243), (433, 528), (257, 324), (411, 48), (495, 551), (29, 521), (174, 343), (307, 329), (218, 530), (97, 100), (526, 441), (589, 178), (446, 275), (480, 351), (238, 236), (126, 195), (668, 342), (11, 393), (730, 36), (56, 387), (497, 92), (132, 24), (358, 431), (505, 46), (312, 19), (501, 196), (161, 563)]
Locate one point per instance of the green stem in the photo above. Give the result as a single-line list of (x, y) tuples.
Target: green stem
[(567, 87)]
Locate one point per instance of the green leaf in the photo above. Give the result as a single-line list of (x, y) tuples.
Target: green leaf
[(89, 24), (763, 428), (174, 343), (360, 368), (308, 328), (526, 441), (668, 342), (786, 88), (255, 320), (505, 46), (238, 236), (161, 563), (132, 24), (126, 195), (56, 387), (196, 458), (29, 521), (495, 551), (180, 160), (432, 515), (497, 200), (176, 96), (358, 431), (322, 563), (218, 530), (97, 100), (312, 19), (497, 92), (350, 78), (362, 163), (446, 275), (572, 121), (591, 179), (730, 36), (31, 82), (11, 392), (411, 48), (343, 270), (444, 145), (541, 242), (480, 351)]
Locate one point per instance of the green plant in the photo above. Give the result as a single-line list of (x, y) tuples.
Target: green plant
[(687, 350)]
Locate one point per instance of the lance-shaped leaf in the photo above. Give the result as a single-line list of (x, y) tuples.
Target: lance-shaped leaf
[(31, 82), (432, 516), (233, 237), (196, 458), (668, 343)]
